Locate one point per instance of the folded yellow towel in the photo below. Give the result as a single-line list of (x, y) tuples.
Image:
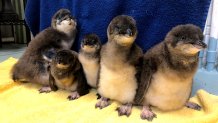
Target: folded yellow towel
[(20, 102)]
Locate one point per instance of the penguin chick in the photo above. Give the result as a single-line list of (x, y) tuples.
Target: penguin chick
[(32, 66), (66, 73), (89, 57), (63, 21), (168, 71), (119, 65)]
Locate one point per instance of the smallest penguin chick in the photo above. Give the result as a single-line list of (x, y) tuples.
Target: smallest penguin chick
[(89, 56), (66, 73)]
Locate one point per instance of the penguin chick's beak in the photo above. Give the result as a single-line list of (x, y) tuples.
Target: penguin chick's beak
[(125, 31), (200, 44), (129, 32)]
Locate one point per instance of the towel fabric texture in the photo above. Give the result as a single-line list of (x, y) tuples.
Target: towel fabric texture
[(154, 17), (22, 103)]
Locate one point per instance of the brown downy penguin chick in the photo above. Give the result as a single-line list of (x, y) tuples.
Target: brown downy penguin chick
[(32, 66), (168, 71), (119, 65), (64, 22), (66, 73), (89, 57)]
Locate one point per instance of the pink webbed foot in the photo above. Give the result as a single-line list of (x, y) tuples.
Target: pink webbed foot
[(125, 110), (74, 95), (102, 103), (147, 113), (193, 105), (45, 89)]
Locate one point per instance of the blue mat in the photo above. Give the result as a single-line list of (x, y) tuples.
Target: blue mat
[(154, 17)]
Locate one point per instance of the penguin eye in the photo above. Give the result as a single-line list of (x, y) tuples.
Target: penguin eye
[(116, 28), (93, 41), (183, 38)]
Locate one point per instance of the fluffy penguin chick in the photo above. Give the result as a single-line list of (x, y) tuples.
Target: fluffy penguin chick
[(64, 22), (66, 73), (32, 66), (119, 65), (89, 57), (168, 71)]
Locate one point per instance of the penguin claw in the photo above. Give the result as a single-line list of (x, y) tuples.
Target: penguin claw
[(45, 89), (73, 96), (102, 103), (147, 114), (124, 110)]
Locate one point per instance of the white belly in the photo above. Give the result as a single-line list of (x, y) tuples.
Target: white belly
[(90, 67), (119, 84), (167, 91)]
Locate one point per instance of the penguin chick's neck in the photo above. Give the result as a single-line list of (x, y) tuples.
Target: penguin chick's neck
[(115, 45), (116, 53), (179, 61), (90, 55), (69, 34)]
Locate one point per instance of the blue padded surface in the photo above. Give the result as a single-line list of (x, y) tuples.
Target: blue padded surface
[(154, 17)]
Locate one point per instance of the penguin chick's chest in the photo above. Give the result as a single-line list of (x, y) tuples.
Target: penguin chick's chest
[(65, 82), (168, 91), (118, 84), (90, 67)]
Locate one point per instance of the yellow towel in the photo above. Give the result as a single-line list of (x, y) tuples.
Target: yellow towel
[(22, 103)]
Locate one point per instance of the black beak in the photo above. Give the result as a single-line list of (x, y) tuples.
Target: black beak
[(87, 42), (59, 61), (129, 32), (125, 30), (73, 18), (201, 43)]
